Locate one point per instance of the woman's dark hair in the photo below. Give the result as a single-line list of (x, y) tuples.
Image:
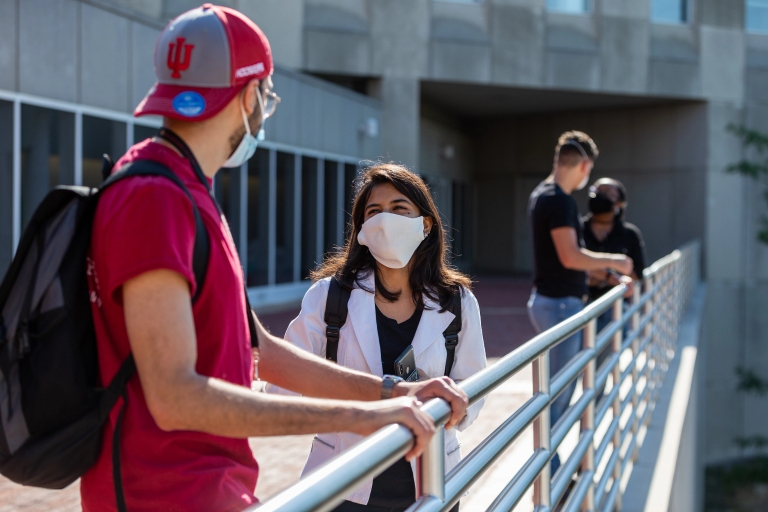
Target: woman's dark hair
[(431, 274)]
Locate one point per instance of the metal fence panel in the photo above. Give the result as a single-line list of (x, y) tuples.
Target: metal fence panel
[(651, 320)]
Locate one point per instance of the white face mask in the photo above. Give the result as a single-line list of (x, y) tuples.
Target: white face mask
[(248, 143), (391, 238)]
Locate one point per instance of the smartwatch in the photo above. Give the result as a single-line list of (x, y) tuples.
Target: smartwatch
[(388, 385)]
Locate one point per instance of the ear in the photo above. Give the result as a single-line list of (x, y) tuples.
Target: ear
[(427, 225), (250, 100)]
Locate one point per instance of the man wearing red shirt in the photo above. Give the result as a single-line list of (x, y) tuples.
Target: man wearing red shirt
[(188, 412)]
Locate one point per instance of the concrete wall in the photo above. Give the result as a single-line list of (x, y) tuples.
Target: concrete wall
[(659, 153), (317, 115), (736, 332)]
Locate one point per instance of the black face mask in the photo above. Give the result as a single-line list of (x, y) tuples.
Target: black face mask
[(599, 203)]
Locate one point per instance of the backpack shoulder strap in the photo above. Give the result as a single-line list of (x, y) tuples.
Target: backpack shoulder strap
[(451, 334), (202, 244), (335, 317)]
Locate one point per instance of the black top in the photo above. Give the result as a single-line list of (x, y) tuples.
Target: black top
[(624, 238), (394, 488), (550, 208)]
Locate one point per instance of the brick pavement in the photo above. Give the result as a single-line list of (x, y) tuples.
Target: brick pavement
[(505, 327)]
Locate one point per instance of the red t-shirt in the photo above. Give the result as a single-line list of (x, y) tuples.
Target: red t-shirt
[(144, 224)]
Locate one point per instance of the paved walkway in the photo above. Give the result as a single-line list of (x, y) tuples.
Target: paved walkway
[(505, 327)]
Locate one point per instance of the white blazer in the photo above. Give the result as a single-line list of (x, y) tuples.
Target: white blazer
[(359, 349)]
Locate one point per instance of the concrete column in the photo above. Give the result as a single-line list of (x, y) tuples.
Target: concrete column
[(727, 317), (400, 120), (400, 57), (283, 23)]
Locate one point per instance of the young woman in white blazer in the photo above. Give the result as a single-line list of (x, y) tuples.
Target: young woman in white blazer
[(402, 289)]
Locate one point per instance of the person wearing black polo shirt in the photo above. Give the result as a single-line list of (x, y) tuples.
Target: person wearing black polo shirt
[(561, 260), (605, 230)]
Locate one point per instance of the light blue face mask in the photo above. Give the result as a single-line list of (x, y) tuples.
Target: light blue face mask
[(248, 144)]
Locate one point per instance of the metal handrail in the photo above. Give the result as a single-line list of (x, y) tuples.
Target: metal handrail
[(652, 320)]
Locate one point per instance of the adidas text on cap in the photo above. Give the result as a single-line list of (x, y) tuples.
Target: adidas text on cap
[(203, 59)]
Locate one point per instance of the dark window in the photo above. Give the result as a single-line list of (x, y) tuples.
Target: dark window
[(143, 132), (285, 203), (462, 218), (332, 210), (228, 189), (6, 185), (309, 214), (350, 174), (258, 218), (100, 136), (47, 154)]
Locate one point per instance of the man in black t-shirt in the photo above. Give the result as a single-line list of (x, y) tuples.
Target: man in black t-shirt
[(560, 259)]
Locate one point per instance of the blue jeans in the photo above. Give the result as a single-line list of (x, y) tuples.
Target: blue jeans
[(545, 313)]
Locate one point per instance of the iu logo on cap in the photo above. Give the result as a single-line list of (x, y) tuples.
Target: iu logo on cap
[(178, 60)]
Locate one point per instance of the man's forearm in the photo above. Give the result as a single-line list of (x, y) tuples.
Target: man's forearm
[(289, 367), (221, 408), (588, 260)]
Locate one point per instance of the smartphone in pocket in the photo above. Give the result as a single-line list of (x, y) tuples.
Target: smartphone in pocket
[(405, 365)]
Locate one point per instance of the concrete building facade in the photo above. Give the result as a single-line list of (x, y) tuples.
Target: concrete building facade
[(472, 95)]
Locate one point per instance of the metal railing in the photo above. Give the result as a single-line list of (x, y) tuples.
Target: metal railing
[(630, 379)]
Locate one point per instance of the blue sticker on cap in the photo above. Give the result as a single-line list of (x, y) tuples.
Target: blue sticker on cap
[(189, 104)]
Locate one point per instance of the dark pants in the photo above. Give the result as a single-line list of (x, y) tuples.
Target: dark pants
[(349, 506)]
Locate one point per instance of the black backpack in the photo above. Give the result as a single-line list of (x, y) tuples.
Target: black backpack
[(336, 316), (51, 406)]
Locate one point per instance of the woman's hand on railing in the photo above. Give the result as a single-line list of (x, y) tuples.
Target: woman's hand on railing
[(406, 411), (441, 387)]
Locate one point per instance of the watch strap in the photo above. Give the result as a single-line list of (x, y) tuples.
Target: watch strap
[(388, 383)]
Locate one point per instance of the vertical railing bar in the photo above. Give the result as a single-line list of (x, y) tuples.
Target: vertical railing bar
[(618, 339), (430, 467), (542, 430), (588, 419), (648, 331)]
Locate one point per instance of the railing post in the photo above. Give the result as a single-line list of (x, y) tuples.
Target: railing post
[(542, 431), (648, 334), (588, 419), (431, 467), (618, 338)]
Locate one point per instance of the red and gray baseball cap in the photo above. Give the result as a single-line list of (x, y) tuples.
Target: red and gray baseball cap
[(203, 59)]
